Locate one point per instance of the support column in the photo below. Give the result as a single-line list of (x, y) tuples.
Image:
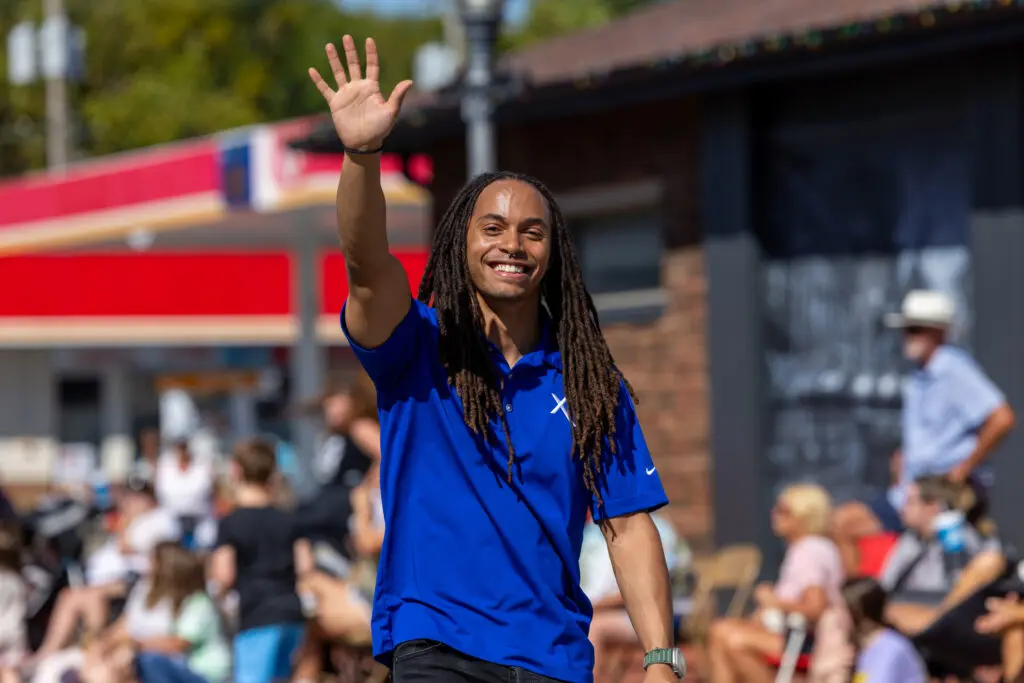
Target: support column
[(742, 498), (117, 449), (997, 249), (307, 359), (28, 415)]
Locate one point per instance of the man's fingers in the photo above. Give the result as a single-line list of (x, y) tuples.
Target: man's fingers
[(355, 72), (398, 95), (336, 67), (321, 84), (372, 61)]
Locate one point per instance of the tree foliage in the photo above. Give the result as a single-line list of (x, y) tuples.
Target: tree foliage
[(164, 70)]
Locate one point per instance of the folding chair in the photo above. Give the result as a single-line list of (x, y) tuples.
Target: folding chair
[(733, 568), (792, 659)]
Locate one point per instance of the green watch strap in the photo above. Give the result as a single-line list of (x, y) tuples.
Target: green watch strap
[(662, 655), (665, 655)]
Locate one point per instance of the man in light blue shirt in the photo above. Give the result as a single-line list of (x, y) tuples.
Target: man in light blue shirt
[(953, 417), (503, 420)]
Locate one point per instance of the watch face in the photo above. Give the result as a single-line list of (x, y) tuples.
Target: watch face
[(678, 663)]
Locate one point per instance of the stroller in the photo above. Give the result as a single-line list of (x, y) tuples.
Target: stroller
[(54, 537)]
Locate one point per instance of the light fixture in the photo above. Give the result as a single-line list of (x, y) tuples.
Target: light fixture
[(139, 239)]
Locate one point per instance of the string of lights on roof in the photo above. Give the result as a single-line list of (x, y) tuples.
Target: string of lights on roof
[(935, 15), (927, 17)]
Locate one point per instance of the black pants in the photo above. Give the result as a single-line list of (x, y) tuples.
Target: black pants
[(428, 661)]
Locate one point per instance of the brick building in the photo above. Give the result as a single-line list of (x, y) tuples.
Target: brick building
[(690, 144)]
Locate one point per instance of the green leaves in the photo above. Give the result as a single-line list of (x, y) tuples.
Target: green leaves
[(165, 70)]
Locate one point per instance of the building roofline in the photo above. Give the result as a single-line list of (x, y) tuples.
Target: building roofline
[(933, 29)]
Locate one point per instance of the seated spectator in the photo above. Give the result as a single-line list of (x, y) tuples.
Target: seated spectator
[(809, 584), (1005, 618), (260, 554), (883, 654), (143, 525), (195, 651), (13, 598), (145, 625), (953, 417), (919, 564), (610, 625)]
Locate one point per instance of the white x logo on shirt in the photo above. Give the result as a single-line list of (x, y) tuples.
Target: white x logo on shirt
[(560, 405)]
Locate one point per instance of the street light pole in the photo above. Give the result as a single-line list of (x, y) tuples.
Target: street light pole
[(52, 53), (481, 19), (57, 127)]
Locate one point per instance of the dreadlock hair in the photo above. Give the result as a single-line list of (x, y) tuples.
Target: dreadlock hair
[(591, 378)]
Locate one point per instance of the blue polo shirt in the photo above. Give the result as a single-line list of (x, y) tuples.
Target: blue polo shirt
[(487, 567)]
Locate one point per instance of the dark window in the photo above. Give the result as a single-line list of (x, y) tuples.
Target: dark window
[(80, 418), (620, 251)]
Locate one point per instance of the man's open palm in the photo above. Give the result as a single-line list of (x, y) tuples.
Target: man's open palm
[(362, 117)]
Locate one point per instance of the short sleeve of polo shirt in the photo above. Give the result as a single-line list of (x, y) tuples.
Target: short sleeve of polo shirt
[(386, 363), (976, 396), (629, 480)]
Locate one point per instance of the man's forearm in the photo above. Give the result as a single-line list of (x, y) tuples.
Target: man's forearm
[(992, 432), (362, 215), (639, 562)]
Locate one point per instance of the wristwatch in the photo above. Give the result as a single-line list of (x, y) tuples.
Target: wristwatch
[(671, 656)]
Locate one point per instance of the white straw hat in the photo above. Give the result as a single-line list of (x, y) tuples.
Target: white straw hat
[(924, 308)]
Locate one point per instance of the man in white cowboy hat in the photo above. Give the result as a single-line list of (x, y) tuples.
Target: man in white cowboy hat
[(953, 417)]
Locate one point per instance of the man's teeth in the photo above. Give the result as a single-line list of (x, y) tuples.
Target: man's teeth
[(507, 268)]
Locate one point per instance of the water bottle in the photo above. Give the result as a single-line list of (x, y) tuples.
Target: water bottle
[(949, 531), (101, 498)]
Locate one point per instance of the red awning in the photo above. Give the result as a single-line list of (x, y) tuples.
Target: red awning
[(171, 298)]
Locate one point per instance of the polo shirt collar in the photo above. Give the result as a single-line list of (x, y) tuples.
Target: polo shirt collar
[(546, 352)]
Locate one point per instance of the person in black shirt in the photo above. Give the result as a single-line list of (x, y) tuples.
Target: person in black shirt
[(7, 511), (349, 450), (260, 553), (348, 456)]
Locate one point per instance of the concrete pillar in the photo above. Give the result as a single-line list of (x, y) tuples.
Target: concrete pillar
[(28, 415), (307, 358), (117, 448)]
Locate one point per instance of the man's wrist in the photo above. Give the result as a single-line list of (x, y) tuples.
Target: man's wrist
[(669, 657), (371, 148)]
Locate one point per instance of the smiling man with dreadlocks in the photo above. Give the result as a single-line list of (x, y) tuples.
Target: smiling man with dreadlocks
[(504, 419)]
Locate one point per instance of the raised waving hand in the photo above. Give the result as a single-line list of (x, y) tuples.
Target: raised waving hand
[(362, 117)]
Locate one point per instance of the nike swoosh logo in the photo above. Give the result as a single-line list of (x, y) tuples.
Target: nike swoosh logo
[(651, 471)]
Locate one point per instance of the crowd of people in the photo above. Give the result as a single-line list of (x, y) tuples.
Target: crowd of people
[(211, 570), (943, 601), (212, 573)]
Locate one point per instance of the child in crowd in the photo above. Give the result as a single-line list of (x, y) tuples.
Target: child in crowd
[(195, 650), (883, 654), (13, 598), (258, 553)]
